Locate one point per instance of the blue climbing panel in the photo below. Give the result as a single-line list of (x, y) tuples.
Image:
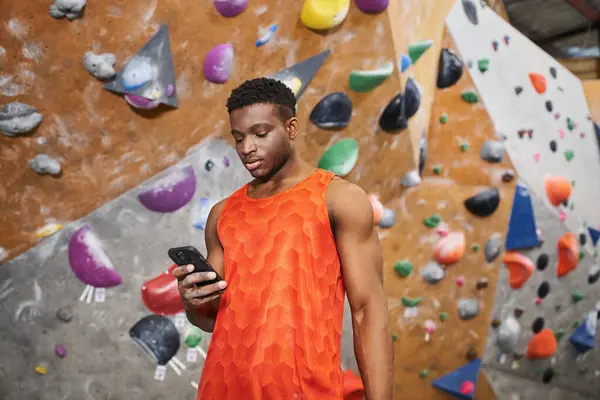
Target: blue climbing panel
[(522, 232), (582, 338), (595, 235), (452, 382)]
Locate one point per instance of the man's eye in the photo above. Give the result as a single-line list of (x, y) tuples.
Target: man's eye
[(262, 134), (239, 140)]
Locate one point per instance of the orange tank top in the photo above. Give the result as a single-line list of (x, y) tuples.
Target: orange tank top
[(279, 326)]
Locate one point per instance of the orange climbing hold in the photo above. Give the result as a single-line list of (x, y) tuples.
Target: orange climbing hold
[(538, 81), (377, 208), (352, 386), (558, 189), (568, 254), (519, 268), (450, 249), (542, 345)]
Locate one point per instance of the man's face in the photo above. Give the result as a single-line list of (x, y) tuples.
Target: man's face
[(262, 140)]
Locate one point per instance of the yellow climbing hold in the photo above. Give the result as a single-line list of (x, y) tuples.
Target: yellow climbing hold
[(41, 370), (48, 230), (294, 84), (324, 14)]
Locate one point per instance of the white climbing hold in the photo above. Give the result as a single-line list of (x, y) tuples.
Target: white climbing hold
[(100, 65), (411, 178), (72, 9), (44, 164), (508, 335), (18, 118)]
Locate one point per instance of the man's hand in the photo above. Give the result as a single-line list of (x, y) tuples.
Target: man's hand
[(192, 293)]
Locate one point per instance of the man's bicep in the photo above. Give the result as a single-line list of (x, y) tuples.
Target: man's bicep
[(213, 244)]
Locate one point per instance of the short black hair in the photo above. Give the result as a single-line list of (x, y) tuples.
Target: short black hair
[(264, 90)]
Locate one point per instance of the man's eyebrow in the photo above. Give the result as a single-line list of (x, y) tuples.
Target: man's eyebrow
[(256, 125)]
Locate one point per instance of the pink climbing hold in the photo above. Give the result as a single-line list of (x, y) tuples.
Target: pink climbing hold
[(538, 301), (563, 216), (561, 133), (460, 280), (467, 387), (536, 157)]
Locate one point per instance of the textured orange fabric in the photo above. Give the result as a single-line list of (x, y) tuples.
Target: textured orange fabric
[(279, 326)]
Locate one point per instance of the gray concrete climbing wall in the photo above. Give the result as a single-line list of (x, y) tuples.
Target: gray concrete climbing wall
[(103, 361)]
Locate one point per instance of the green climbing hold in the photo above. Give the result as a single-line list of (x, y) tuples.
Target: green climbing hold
[(475, 247), (470, 96), (577, 295), (576, 323), (569, 154), (411, 301), (403, 267), (570, 124), (193, 336), (433, 221), (444, 118), (415, 51), (581, 255), (464, 147), (443, 316), (341, 157), (559, 333), (424, 373), (483, 64), (394, 338), (366, 80), (437, 169), (573, 183)]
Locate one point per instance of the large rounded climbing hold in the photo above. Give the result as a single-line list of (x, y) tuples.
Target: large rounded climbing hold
[(470, 11), (341, 157), (171, 192), (509, 333), (484, 203), (396, 114), (538, 81), (372, 6), (324, 14), (89, 262), (18, 118), (218, 63), (230, 8), (542, 345), (367, 80), (450, 69), (138, 72), (568, 254), (333, 111), (492, 151), (157, 336), (450, 250), (519, 268), (160, 294), (558, 189)]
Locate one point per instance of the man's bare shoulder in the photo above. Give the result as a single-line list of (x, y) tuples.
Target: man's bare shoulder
[(345, 197)]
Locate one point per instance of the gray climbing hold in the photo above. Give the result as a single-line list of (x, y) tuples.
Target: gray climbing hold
[(44, 164), (492, 248), (433, 273), (470, 11), (100, 65), (508, 335), (410, 179), (18, 118), (492, 151), (64, 314), (422, 152), (72, 9), (388, 218), (468, 308)]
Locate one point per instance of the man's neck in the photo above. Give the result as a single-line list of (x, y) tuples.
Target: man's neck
[(293, 168)]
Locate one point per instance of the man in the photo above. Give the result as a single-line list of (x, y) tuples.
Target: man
[(288, 245)]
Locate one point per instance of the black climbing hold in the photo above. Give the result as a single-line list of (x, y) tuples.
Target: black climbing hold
[(484, 203), (594, 274), (518, 90), (547, 375), (542, 261), (565, 203), (470, 11), (543, 290), (422, 152), (65, 314), (332, 111), (208, 165), (537, 325), (553, 145), (582, 239), (549, 106), (157, 336), (396, 114), (450, 69), (553, 72)]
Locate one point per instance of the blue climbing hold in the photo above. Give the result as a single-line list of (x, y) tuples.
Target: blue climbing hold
[(522, 231), (452, 382), (595, 235), (267, 36), (584, 336), (405, 62), (597, 129)]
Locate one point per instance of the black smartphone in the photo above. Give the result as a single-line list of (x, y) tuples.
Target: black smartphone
[(190, 255)]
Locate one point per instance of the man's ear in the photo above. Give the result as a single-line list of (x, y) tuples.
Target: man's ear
[(291, 127)]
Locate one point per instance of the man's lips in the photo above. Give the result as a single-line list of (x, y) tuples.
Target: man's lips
[(252, 165)]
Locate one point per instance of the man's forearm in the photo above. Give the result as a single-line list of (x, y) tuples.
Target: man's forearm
[(204, 317), (374, 351)]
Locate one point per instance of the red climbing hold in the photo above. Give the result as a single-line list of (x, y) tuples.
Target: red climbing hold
[(467, 387), (568, 254), (519, 268), (538, 81), (542, 345), (160, 294)]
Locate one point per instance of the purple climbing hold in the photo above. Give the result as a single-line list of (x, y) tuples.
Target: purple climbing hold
[(230, 8), (218, 63), (60, 351), (170, 90), (372, 6), (170, 192)]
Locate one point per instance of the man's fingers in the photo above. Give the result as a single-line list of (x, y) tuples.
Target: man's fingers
[(180, 272), (198, 277), (204, 291)]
